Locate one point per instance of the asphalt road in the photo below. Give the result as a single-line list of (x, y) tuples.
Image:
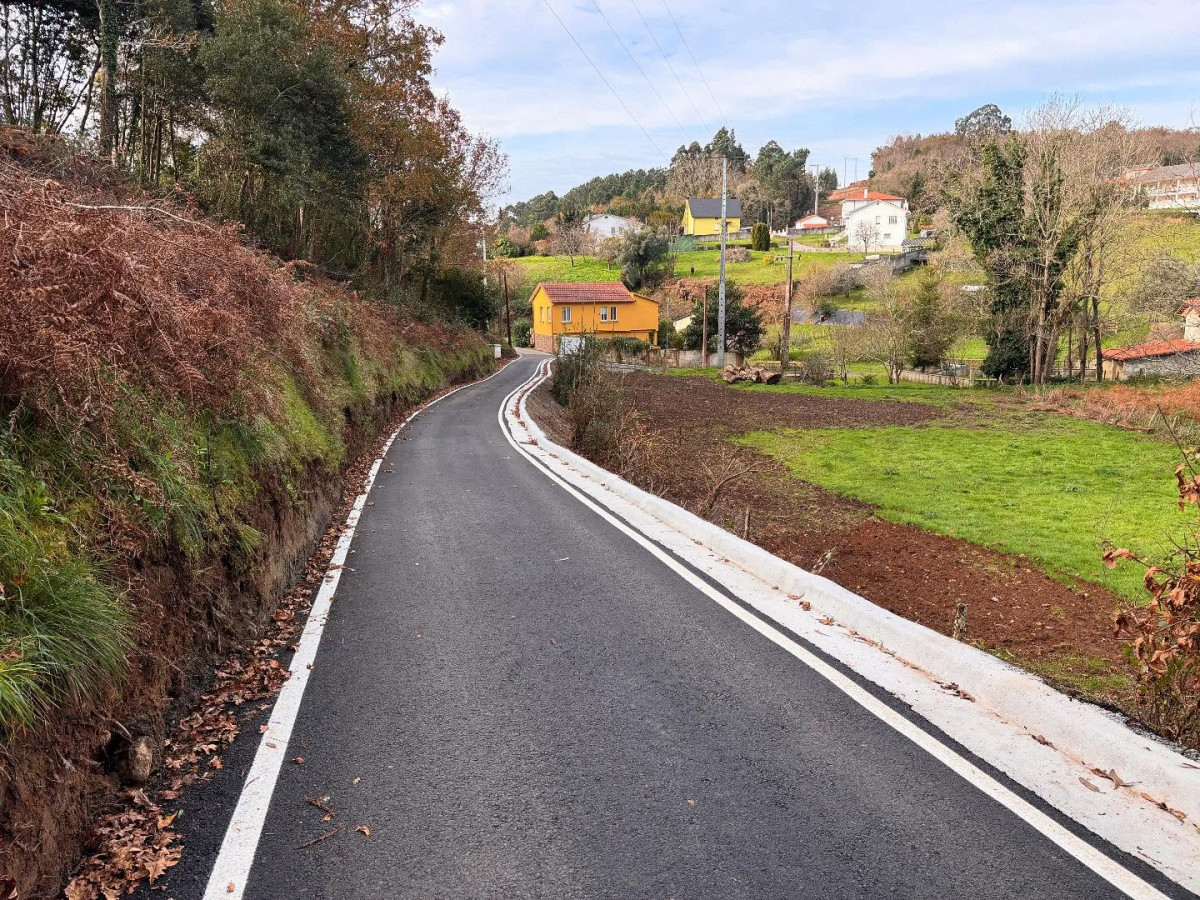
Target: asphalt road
[(519, 701)]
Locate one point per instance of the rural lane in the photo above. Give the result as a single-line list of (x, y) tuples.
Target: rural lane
[(518, 700)]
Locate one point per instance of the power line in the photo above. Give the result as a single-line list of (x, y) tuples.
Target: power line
[(579, 46), (641, 71), (703, 118), (687, 47)]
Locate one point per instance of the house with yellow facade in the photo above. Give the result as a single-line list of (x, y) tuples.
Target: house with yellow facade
[(600, 310), (703, 216)]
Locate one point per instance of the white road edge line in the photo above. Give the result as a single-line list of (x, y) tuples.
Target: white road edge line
[(231, 871), (1107, 868)]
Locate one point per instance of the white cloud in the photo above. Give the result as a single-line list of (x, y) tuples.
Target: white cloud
[(515, 74)]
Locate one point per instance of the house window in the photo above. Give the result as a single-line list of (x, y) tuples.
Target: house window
[(566, 315), (877, 220), (604, 314), (892, 220), (613, 314)]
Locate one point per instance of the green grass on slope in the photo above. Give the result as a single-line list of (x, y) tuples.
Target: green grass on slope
[(707, 264), (1055, 489)]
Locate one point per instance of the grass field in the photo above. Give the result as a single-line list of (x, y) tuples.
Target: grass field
[(1053, 488), (705, 263)]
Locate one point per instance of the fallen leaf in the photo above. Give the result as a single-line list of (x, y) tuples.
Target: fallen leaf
[(356, 781), (827, 620), (230, 888), (1087, 784), (299, 760), (1041, 740), (805, 605), (364, 830), (691, 803)]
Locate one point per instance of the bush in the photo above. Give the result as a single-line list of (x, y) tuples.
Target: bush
[(737, 254), (760, 237), (869, 379), (523, 333), (743, 323), (645, 259), (1163, 645), (1008, 356), (815, 368)]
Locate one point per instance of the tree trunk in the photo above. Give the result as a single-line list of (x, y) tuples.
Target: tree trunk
[(1096, 337), (109, 36)]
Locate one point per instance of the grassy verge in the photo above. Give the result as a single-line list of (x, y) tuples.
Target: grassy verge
[(1051, 488), (70, 523)]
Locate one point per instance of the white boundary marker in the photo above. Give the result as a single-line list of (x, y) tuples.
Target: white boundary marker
[(231, 871), (587, 479)]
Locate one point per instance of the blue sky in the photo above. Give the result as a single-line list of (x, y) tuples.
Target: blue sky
[(838, 78)]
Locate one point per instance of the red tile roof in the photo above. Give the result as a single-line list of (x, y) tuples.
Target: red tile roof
[(1154, 348), (1189, 305), (873, 195), (585, 292)]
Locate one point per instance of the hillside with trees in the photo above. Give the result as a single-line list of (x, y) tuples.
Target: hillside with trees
[(774, 186), (237, 241)]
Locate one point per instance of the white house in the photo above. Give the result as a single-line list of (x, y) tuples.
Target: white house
[(812, 222), (881, 218), (606, 225), (1169, 187)]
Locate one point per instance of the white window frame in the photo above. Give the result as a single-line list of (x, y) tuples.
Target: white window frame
[(604, 314), (893, 220), (612, 316), (566, 316)]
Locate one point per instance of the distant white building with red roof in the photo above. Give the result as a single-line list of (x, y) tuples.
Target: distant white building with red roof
[(809, 222), (875, 221), (1178, 357)]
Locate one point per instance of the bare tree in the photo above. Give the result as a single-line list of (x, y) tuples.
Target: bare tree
[(572, 239), (887, 333), (608, 249), (866, 233), (846, 344)]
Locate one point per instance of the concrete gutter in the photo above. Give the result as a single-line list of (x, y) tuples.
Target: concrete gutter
[(1045, 741)]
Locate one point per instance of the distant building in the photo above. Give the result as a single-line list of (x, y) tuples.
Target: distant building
[(703, 215), (812, 222), (886, 213), (606, 225), (599, 309), (1168, 187), (1173, 357)]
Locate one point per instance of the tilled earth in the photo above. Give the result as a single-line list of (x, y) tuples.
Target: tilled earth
[(1063, 630)]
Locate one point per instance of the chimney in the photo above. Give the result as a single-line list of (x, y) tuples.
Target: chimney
[(865, 191)]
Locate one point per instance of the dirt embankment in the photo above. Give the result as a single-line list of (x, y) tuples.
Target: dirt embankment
[(179, 414), (1061, 630)]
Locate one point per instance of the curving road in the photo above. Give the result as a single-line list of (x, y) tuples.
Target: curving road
[(520, 701)]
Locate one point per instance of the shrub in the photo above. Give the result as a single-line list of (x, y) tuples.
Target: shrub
[(1164, 634), (815, 368), (737, 254), (523, 333), (760, 237), (645, 259), (1008, 356), (869, 379)]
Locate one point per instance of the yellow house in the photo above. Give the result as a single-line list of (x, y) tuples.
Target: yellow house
[(604, 310), (703, 216)]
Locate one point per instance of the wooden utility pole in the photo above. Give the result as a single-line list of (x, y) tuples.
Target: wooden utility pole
[(507, 308), (704, 329), (785, 349), (721, 289)]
